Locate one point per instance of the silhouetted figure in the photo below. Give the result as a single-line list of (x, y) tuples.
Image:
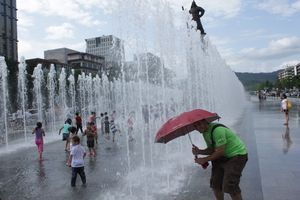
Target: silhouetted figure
[(197, 12)]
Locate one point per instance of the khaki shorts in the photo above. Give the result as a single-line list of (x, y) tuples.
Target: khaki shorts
[(226, 174)]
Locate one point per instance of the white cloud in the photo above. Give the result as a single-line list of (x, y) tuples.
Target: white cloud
[(29, 5), (60, 32), (35, 48), (220, 8), (214, 9), (69, 9), (270, 58), (24, 20), (24, 47), (280, 48), (289, 63), (281, 7)]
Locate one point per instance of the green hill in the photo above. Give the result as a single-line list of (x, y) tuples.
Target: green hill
[(250, 80)]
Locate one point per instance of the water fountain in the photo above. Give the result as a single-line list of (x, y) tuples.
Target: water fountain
[(22, 92), (51, 86), (151, 96), (4, 96)]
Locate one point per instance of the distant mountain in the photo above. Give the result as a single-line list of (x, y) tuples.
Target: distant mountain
[(250, 80)]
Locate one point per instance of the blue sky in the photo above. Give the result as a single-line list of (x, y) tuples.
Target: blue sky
[(251, 35)]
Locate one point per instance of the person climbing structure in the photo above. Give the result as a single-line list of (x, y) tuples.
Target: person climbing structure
[(197, 12)]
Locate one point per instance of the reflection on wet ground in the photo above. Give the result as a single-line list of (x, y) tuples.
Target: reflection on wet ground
[(278, 148)]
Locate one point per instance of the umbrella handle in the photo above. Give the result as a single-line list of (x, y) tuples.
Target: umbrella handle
[(205, 165)]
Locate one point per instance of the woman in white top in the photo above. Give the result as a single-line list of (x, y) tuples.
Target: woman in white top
[(284, 108)]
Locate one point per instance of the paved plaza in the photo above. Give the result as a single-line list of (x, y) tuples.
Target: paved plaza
[(272, 172)]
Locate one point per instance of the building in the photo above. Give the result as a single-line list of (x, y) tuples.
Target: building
[(32, 63), (8, 30), (152, 68), (289, 72), (297, 70), (58, 55), (85, 62), (108, 46)]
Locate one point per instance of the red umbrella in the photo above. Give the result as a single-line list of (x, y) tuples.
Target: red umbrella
[(183, 124)]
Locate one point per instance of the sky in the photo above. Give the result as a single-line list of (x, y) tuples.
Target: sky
[(251, 35)]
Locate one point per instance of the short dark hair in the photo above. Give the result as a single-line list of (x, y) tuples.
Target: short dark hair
[(76, 139), (68, 121), (39, 124), (72, 129)]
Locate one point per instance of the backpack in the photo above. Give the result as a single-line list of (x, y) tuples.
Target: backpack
[(212, 130), (223, 158), (289, 105)]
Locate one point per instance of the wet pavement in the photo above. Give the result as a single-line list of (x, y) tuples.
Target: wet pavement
[(272, 172), (278, 147)]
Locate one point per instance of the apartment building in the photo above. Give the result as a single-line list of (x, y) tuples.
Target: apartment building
[(8, 29)]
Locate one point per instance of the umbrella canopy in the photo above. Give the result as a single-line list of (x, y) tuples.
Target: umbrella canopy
[(183, 124)]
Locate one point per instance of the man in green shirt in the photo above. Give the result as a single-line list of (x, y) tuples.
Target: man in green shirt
[(228, 154)]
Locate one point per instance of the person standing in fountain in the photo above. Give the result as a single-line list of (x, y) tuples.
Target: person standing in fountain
[(228, 155), (76, 161), (78, 120), (284, 108), (90, 138), (93, 119), (66, 133), (197, 12), (106, 127), (102, 123), (72, 131), (130, 124), (39, 141)]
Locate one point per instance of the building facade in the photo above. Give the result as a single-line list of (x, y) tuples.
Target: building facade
[(59, 55), (289, 72), (108, 46), (8, 30), (76, 60), (85, 62)]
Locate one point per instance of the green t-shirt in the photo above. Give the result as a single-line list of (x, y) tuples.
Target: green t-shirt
[(224, 136)]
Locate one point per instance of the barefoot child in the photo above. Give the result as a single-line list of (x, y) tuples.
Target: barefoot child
[(90, 138), (39, 133), (76, 161), (66, 133), (72, 130)]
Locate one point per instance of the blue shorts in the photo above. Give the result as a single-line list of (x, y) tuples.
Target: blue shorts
[(65, 136)]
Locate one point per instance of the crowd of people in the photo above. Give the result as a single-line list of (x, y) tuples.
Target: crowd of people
[(73, 142)]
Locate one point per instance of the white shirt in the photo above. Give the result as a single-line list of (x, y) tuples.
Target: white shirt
[(77, 152), (284, 104)]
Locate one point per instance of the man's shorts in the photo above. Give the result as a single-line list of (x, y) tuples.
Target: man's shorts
[(226, 174)]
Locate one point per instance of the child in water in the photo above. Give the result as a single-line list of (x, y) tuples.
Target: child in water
[(72, 131), (90, 138), (106, 127), (66, 133), (39, 134), (76, 161)]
